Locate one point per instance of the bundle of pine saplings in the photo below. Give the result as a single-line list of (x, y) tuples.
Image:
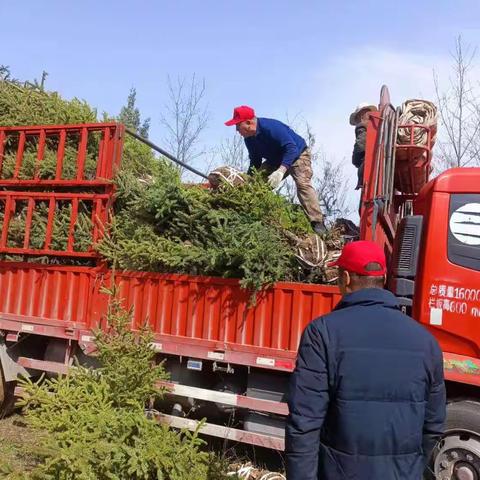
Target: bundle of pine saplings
[(159, 224)]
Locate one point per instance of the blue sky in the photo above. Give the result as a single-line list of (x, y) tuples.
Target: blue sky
[(316, 59)]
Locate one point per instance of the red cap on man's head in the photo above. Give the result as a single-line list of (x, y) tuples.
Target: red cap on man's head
[(240, 114), (357, 255)]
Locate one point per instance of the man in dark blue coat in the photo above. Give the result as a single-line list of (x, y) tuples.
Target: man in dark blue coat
[(367, 397)]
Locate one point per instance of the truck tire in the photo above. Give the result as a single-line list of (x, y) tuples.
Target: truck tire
[(7, 398), (457, 455)]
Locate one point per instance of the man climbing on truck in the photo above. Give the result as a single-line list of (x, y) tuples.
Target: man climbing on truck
[(359, 119), (367, 397), (285, 153)]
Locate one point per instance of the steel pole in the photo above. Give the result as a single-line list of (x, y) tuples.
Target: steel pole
[(165, 153)]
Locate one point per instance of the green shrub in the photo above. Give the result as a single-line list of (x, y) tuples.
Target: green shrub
[(25, 103), (236, 232), (94, 424)]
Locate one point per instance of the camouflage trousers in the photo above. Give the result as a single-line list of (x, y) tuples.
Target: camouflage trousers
[(301, 172)]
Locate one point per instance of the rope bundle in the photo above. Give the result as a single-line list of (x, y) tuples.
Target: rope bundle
[(417, 112)]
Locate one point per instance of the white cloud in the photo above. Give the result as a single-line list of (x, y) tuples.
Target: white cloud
[(357, 76)]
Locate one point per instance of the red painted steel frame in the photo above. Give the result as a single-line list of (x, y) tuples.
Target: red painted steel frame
[(99, 204), (96, 195), (412, 169), (201, 317), (383, 230), (107, 159), (413, 162)]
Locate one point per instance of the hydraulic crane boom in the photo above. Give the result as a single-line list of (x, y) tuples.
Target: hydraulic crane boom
[(393, 173)]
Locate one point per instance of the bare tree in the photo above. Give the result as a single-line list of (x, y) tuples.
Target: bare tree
[(232, 152), (185, 117), (328, 180), (459, 112), (332, 188)]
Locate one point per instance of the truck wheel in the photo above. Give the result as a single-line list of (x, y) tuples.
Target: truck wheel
[(7, 399), (457, 456)]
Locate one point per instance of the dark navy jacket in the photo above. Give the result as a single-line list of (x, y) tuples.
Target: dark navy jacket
[(367, 398), (275, 142)]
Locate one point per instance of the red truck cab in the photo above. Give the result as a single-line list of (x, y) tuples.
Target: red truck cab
[(447, 292), (430, 231)]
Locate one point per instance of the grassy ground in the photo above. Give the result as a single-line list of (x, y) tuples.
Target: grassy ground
[(14, 438)]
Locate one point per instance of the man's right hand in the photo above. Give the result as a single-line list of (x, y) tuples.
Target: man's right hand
[(275, 178)]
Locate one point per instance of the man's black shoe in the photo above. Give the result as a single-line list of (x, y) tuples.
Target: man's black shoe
[(319, 228)]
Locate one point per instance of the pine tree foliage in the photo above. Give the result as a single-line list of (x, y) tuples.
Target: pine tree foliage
[(159, 224), (25, 103), (130, 115), (94, 424), (234, 232)]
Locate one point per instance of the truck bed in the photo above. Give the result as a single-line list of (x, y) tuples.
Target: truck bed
[(201, 317)]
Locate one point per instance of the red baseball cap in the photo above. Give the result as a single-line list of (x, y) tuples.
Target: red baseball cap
[(240, 114), (356, 256)]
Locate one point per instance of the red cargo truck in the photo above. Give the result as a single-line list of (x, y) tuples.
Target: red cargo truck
[(228, 361)]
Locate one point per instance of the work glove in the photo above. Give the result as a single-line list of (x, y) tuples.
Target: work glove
[(276, 177)]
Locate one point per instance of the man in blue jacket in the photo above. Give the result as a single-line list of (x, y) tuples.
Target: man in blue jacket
[(285, 153), (367, 397)]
